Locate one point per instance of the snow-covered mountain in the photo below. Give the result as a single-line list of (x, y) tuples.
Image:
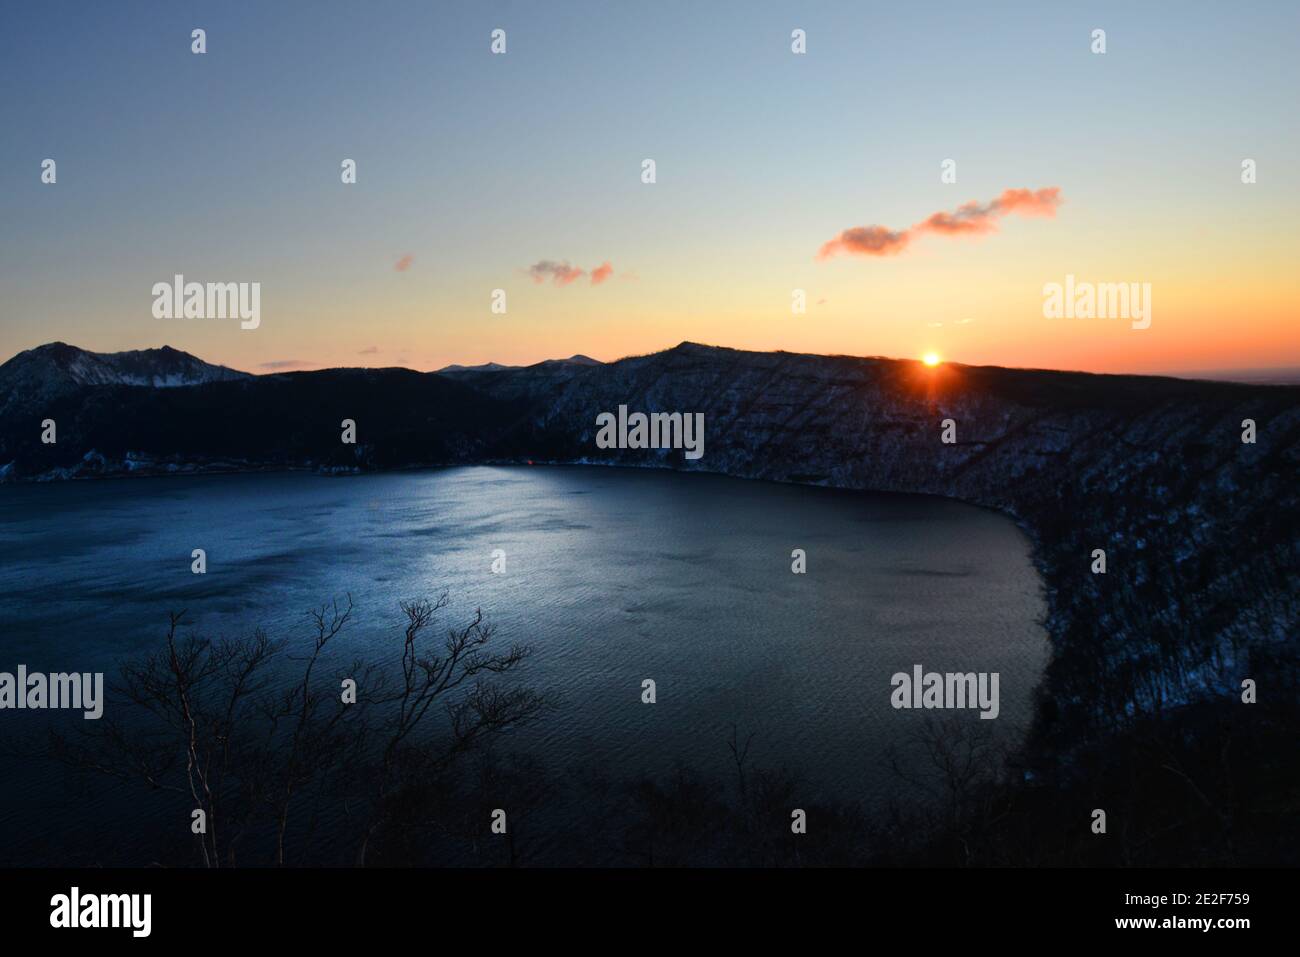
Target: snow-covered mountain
[(160, 368), (39, 375), (1187, 489), (1198, 515)]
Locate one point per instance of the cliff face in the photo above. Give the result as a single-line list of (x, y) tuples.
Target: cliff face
[(1201, 531)]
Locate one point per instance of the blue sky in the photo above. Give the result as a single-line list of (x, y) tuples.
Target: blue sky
[(226, 167)]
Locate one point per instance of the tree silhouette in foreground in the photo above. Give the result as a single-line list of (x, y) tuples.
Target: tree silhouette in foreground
[(265, 750)]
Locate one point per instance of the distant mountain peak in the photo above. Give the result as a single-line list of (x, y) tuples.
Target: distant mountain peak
[(688, 347), (578, 359), (484, 367), (55, 365)]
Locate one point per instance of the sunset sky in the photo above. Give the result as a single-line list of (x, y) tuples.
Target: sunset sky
[(474, 168)]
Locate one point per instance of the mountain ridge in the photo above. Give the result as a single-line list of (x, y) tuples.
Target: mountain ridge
[(1201, 530), (55, 369), (1283, 376), (161, 367)]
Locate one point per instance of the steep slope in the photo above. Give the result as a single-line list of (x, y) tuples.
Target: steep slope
[(1201, 531), (1140, 709)]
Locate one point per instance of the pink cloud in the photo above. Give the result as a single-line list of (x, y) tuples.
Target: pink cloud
[(560, 273), (969, 219), (1029, 202), (866, 241), (404, 263)]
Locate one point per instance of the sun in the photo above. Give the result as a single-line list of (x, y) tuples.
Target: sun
[(931, 358)]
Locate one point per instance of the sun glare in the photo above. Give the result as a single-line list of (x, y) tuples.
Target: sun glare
[(931, 358)]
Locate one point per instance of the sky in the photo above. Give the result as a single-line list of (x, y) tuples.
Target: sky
[(523, 172)]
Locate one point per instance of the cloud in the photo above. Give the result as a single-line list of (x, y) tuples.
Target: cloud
[(866, 241), (563, 274), (1028, 202), (969, 219), (404, 263), (368, 351), (284, 364), (560, 273)]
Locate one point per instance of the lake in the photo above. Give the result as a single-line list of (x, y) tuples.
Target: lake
[(614, 576)]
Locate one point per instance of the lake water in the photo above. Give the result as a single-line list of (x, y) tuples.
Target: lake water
[(613, 575)]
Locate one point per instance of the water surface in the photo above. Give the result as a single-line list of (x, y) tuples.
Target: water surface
[(613, 575)]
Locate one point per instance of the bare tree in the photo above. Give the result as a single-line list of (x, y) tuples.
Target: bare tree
[(960, 757), (223, 725), (428, 678), (739, 755)]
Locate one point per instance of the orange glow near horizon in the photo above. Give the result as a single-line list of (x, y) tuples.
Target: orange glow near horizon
[(931, 359), (966, 302)]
